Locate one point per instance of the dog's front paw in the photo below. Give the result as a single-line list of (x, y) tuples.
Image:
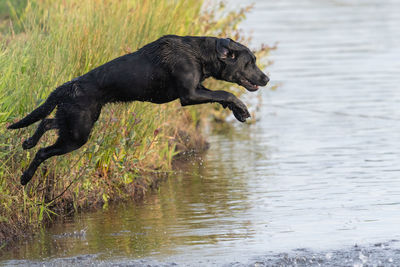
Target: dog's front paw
[(240, 112)]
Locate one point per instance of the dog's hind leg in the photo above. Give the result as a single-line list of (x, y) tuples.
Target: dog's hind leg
[(45, 125), (59, 148), (74, 129)]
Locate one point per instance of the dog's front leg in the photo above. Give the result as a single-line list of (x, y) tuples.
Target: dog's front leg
[(202, 95)]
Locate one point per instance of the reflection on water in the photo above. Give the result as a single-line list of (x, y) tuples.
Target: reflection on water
[(320, 170)]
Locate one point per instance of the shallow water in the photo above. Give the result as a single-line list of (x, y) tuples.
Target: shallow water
[(316, 178)]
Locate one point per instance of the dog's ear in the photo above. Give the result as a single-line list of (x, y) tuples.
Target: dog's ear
[(223, 50)]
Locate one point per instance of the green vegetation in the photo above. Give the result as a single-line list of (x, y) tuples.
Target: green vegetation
[(44, 43)]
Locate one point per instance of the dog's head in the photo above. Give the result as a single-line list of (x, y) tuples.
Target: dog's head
[(238, 65)]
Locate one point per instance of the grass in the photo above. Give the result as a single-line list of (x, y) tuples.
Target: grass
[(44, 43)]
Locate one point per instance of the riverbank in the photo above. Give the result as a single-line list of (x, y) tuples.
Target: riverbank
[(132, 146)]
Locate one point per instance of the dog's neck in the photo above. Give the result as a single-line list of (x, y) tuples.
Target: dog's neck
[(210, 64)]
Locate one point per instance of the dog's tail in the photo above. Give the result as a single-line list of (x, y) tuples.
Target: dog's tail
[(43, 110)]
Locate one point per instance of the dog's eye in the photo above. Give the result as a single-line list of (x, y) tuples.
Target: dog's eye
[(232, 56)]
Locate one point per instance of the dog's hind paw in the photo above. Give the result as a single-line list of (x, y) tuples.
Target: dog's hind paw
[(25, 178), (28, 143)]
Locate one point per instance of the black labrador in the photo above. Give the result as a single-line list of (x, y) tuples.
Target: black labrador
[(169, 68)]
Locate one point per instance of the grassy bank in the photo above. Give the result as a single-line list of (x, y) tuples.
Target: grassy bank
[(44, 43)]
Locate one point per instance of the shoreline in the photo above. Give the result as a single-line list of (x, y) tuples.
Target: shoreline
[(146, 181), (131, 146)]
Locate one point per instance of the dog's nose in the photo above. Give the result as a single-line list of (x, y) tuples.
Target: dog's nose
[(265, 80)]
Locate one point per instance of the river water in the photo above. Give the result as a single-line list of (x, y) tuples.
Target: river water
[(315, 181)]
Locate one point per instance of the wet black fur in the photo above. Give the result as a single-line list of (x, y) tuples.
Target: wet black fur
[(169, 68)]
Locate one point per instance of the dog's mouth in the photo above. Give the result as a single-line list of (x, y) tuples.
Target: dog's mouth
[(248, 85)]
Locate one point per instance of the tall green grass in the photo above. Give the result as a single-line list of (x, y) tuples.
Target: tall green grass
[(50, 42)]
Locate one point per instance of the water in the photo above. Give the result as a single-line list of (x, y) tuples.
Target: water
[(316, 180)]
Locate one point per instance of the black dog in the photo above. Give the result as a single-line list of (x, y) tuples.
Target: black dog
[(169, 68)]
